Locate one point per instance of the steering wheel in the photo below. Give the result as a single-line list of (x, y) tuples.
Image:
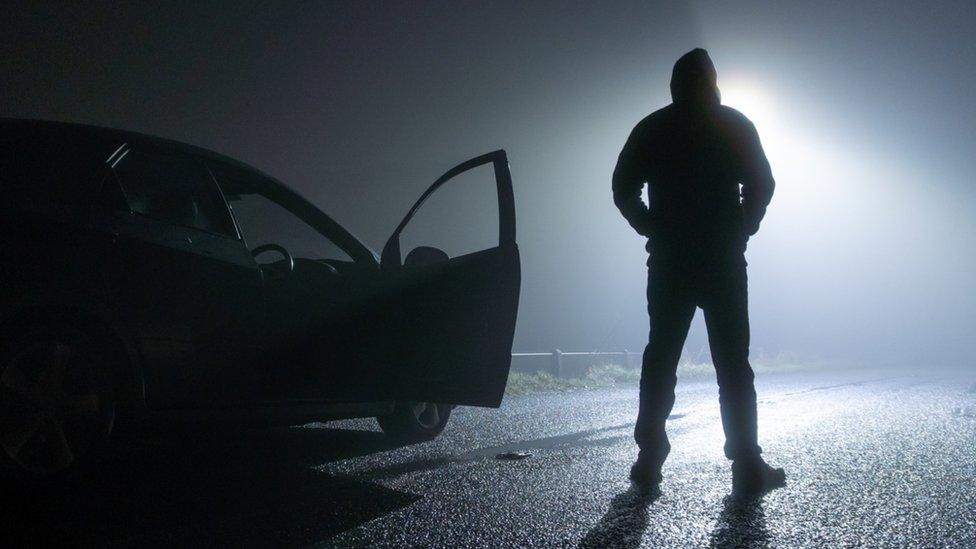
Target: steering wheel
[(275, 248)]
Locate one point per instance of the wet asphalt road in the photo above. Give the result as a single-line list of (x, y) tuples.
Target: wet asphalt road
[(872, 458)]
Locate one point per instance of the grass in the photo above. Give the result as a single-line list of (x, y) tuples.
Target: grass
[(604, 375), (614, 375)]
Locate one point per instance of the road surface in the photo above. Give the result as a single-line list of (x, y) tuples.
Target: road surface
[(873, 459)]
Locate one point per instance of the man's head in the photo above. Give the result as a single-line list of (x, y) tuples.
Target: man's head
[(694, 80)]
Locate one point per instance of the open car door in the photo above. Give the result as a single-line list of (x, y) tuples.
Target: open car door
[(448, 322)]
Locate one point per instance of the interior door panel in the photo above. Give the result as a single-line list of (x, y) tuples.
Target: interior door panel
[(447, 327)]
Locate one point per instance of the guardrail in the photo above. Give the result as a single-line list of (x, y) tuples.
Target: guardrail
[(559, 363)]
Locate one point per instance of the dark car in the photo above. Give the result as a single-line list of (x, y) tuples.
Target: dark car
[(142, 283)]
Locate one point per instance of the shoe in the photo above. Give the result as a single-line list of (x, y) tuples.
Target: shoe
[(754, 477), (646, 478)]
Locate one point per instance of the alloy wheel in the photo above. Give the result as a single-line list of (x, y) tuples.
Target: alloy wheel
[(51, 408)]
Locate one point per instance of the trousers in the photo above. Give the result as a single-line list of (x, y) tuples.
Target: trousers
[(675, 289)]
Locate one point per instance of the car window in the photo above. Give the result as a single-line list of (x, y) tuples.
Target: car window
[(262, 219), (173, 188), (460, 218)]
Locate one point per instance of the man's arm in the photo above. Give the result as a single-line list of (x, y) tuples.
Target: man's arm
[(757, 181), (628, 182)]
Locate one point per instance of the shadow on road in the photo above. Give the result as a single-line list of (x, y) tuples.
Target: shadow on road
[(256, 488), (742, 523), (253, 488), (624, 523), (577, 439)]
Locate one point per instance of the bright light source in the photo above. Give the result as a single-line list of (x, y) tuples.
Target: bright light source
[(788, 152), (751, 100)]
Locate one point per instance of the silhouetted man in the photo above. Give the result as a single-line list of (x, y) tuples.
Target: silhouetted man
[(695, 155)]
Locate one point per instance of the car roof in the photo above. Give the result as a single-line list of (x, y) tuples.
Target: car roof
[(101, 132), (78, 130)]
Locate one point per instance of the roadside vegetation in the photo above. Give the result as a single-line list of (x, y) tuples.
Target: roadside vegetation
[(604, 375), (615, 375)]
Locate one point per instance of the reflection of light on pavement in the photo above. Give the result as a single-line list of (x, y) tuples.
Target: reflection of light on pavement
[(696, 433), (697, 436)]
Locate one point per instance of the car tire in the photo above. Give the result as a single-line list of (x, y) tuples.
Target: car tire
[(57, 402), (415, 421)]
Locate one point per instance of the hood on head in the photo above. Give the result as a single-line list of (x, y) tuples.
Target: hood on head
[(694, 80)]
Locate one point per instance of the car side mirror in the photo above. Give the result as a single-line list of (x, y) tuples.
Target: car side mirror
[(390, 257), (425, 255)]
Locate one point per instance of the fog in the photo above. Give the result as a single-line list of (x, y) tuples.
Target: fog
[(866, 113)]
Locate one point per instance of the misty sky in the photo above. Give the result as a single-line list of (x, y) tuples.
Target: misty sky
[(866, 112)]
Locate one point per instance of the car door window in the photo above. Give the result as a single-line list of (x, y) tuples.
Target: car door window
[(460, 218), (174, 188), (263, 219)]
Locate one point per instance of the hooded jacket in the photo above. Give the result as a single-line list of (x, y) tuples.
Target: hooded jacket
[(694, 154)]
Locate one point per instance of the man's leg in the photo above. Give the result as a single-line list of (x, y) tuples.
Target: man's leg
[(725, 304), (670, 307)]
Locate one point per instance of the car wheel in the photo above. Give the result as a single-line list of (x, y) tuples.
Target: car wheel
[(57, 405), (415, 421)]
